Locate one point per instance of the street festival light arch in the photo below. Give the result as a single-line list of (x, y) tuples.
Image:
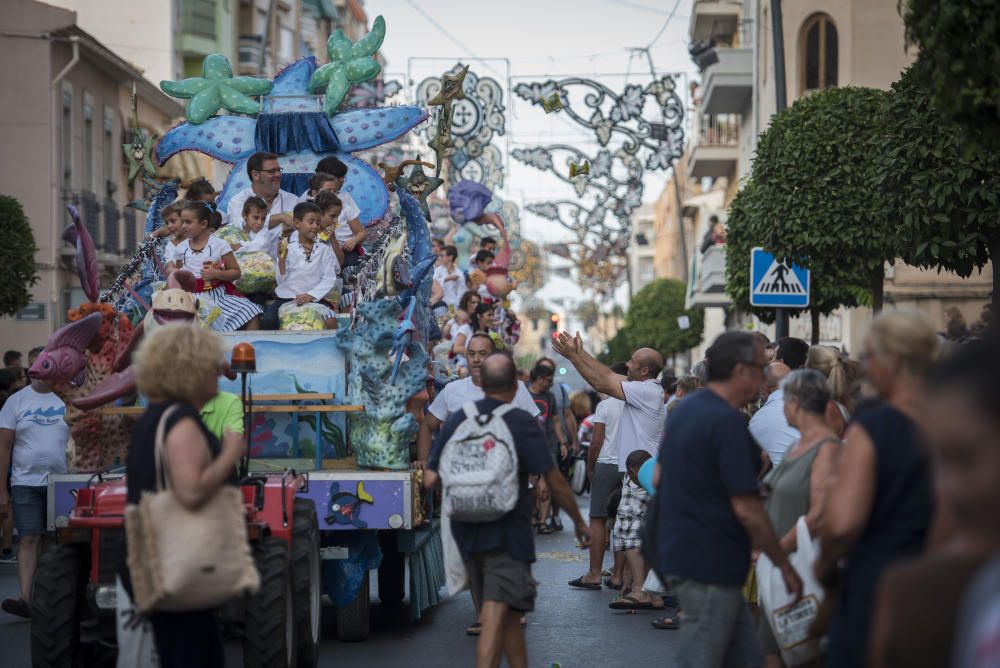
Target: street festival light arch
[(648, 124)]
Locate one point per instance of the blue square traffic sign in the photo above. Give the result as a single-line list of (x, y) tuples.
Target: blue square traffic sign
[(777, 284)]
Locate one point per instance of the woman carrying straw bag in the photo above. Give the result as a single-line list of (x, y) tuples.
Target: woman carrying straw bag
[(192, 515)]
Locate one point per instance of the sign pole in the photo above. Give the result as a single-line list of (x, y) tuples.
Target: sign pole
[(777, 30), (780, 323)]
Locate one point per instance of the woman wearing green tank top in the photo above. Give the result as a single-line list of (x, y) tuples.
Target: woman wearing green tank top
[(799, 483)]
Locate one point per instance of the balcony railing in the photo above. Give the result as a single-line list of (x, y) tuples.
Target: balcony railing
[(719, 129), (740, 38), (131, 234), (249, 55), (111, 236), (198, 18)]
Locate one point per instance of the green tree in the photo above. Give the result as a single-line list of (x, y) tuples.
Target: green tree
[(18, 271), (959, 61), (810, 200), (946, 198), (619, 348), (652, 317)]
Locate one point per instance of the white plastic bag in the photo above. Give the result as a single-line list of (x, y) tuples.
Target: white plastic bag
[(790, 623), (454, 567), (136, 645)]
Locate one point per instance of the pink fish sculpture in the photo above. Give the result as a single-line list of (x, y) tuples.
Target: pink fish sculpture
[(65, 355)]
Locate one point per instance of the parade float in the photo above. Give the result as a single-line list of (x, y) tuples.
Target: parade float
[(328, 485)]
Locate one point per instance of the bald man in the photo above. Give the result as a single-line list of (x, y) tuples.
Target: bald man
[(768, 426), (641, 424)]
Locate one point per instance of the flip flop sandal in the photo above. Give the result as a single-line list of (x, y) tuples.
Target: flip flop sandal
[(610, 584), (665, 624), (629, 603), (580, 584), (474, 629)]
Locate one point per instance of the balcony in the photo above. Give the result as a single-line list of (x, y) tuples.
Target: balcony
[(713, 17), (716, 150), (728, 84), (249, 56), (131, 233), (197, 34), (111, 236), (707, 284)]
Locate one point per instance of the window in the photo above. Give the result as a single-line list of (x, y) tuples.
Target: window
[(66, 136), (88, 146), (818, 53), (108, 151), (286, 46)]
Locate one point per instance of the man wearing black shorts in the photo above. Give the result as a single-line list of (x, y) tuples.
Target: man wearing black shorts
[(498, 555)]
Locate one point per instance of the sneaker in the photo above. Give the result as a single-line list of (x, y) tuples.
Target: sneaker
[(8, 558), (17, 607)]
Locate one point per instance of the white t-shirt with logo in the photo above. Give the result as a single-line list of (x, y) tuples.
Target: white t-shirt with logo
[(40, 435), (609, 413), (457, 393), (641, 424)]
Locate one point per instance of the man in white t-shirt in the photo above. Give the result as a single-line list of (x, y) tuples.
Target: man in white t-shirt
[(457, 393), (265, 183), (605, 482), (641, 424), (33, 437), (449, 281)]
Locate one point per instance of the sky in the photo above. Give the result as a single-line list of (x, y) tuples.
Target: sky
[(542, 39)]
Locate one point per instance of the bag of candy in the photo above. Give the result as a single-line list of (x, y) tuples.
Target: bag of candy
[(256, 273), (305, 318)]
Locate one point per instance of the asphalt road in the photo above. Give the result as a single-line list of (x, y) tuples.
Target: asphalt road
[(570, 627)]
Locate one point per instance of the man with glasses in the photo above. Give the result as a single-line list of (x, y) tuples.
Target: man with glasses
[(709, 510), (265, 183)]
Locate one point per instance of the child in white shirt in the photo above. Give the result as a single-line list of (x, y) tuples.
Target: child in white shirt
[(212, 262), (171, 230), (307, 268), (350, 233)]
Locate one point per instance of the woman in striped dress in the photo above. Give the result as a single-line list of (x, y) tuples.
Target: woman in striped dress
[(212, 262)]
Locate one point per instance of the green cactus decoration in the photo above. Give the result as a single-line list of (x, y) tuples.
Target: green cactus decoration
[(349, 64)]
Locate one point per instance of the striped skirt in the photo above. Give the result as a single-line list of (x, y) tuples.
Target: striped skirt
[(235, 311)]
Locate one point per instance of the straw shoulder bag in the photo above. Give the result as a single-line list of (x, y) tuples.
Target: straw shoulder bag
[(182, 559)]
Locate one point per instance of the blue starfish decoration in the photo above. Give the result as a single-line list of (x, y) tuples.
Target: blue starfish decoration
[(234, 139), (217, 88), (349, 64)]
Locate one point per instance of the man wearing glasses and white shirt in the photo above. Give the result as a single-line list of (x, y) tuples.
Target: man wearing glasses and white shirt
[(265, 183)]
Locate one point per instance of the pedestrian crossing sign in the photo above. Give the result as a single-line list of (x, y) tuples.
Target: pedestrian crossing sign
[(777, 284)]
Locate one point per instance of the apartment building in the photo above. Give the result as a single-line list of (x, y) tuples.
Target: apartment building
[(62, 134), (852, 42)]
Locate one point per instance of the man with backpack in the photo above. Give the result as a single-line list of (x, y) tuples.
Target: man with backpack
[(484, 455)]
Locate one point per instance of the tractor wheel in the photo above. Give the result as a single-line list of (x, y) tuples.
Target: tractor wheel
[(353, 623), (306, 581), (269, 629), (392, 572), (56, 606)]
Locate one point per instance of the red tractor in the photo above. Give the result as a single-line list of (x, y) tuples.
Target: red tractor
[(74, 598)]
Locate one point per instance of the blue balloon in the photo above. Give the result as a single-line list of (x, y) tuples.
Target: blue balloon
[(646, 476)]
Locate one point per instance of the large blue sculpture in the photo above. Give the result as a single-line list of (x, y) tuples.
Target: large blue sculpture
[(292, 126)]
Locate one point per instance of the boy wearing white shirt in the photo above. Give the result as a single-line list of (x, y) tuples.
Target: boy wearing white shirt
[(307, 269), (350, 233)]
